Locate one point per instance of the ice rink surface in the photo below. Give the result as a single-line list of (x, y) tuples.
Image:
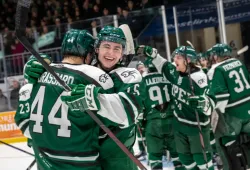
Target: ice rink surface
[(12, 159)]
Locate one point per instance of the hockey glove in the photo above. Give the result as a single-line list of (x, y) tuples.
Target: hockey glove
[(147, 51), (199, 102), (33, 69), (82, 98)]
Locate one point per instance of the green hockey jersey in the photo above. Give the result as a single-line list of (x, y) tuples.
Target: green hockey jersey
[(61, 138), (127, 85), (231, 84), (186, 121), (157, 95)]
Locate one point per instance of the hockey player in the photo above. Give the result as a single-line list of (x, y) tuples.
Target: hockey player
[(62, 138), (141, 67), (57, 133), (203, 62), (231, 85), (109, 49), (158, 127), (139, 147), (187, 138), (110, 45)]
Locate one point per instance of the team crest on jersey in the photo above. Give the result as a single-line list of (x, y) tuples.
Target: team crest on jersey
[(103, 78), (179, 80), (163, 115), (23, 93), (201, 81), (172, 71), (128, 73)]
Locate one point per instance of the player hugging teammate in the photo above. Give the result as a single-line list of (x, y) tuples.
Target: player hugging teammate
[(176, 99)]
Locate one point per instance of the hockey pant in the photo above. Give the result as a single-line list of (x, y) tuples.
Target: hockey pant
[(235, 146), (190, 151), (112, 157), (140, 138), (159, 135)]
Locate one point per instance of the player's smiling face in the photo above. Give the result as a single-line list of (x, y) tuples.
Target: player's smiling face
[(109, 54), (180, 63)]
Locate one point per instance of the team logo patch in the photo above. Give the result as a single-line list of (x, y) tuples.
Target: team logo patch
[(103, 78), (201, 81), (179, 80), (163, 115), (23, 93), (126, 74)]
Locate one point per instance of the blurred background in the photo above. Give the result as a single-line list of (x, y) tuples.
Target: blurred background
[(163, 24)]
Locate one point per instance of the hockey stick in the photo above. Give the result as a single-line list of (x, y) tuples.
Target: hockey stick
[(22, 14), (14, 147), (143, 143), (140, 132), (196, 113), (130, 49), (31, 165), (188, 42), (244, 49)]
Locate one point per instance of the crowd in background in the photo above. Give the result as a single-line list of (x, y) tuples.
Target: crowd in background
[(50, 15)]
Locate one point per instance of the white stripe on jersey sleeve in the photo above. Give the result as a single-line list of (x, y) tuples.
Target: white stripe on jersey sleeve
[(159, 61), (113, 109)]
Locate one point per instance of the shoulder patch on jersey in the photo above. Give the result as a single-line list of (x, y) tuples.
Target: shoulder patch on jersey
[(102, 78), (25, 92), (128, 75), (200, 78)]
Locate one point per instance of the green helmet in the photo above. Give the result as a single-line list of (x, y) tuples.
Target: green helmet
[(112, 34), (139, 63), (222, 50), (202, 56), (78, 43), (186, 51)]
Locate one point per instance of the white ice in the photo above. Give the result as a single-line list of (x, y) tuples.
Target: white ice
[(12, 159)]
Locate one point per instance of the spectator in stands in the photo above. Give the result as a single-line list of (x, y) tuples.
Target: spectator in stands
[(45, 30), (86, 10), (49, 17), (131, 6), (3, 102), (8, 39), (14, 94), (96, 12), (59, 29), (99, 4), (125, 18), (77, 14), (107, 20), (119, 12), (17, 48), (43, 23), (30, 35), (105, 12), (58, 7), (145, 4), (70, 20), (56, 15), (95, 29)]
